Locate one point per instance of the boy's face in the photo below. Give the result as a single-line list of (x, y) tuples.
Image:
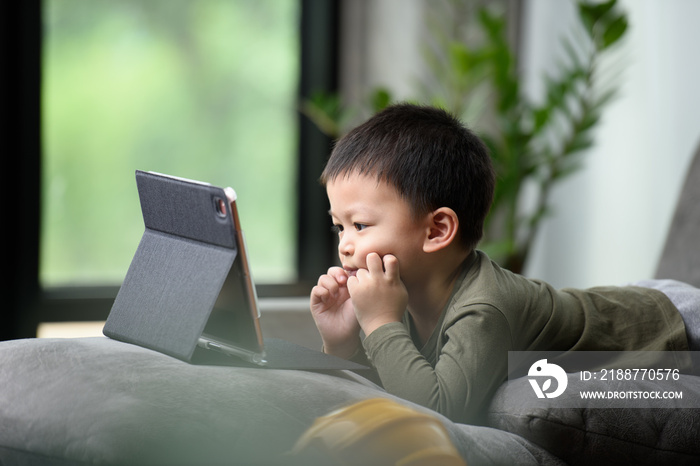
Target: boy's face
[(370, 216)]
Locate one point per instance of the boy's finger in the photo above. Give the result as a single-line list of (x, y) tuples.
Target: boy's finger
[(339, 274), (329, 283), (391, 266), (352, 283), (319, 294), (374, 264)]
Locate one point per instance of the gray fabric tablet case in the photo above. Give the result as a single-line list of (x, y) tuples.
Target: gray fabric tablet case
[(178, 272)]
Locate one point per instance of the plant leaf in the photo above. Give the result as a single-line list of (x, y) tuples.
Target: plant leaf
[(381, 98), (615, 30)]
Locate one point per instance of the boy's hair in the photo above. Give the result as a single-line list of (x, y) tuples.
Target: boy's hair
[(428, 156)]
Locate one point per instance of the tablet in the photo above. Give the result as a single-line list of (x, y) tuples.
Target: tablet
[(189, 286)]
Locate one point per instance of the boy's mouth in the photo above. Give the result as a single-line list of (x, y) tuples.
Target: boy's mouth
[(351, 271)]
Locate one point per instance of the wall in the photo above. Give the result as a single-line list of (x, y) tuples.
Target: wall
[(380, 43), (612, 218)]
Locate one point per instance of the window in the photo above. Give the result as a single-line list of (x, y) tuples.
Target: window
[(31, 189), (198, 89)]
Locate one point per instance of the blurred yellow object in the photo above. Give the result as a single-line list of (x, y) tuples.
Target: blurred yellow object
[(377, 431)]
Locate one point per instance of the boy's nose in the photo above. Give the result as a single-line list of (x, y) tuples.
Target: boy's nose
[(345, 247)]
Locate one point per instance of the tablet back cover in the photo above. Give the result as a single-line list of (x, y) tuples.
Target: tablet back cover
[(179, 267)]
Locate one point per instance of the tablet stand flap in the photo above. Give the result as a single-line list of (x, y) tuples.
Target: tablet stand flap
[(168, 294)]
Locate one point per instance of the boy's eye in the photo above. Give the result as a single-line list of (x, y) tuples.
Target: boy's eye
[(338, 228)]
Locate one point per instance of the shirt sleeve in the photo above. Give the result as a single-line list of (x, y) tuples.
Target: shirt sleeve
[(471, 363)]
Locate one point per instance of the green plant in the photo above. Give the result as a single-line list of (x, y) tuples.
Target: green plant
[(531, 144)]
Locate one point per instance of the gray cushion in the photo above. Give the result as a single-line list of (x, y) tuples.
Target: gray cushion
[(603, 436), (100, 401)]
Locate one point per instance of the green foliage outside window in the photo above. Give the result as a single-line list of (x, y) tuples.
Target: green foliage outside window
[(199, 89)]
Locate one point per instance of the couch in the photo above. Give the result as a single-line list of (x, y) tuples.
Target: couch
[(100, 401)]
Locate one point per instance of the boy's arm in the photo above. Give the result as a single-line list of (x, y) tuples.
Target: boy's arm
[(470, 367)]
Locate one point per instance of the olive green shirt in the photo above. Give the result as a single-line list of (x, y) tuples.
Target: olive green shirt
[(493, 311)]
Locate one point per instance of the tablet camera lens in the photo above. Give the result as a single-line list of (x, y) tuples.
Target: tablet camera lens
[(220, 207)]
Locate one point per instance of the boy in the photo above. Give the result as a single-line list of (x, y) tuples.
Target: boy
[(409, 191)]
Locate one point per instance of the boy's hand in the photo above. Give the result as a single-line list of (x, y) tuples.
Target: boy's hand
[(378, 294), (333, 312)]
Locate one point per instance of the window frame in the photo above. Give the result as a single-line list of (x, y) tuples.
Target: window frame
[(21, 55)]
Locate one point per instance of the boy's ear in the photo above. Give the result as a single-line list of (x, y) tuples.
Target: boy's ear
[(443, 226)]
